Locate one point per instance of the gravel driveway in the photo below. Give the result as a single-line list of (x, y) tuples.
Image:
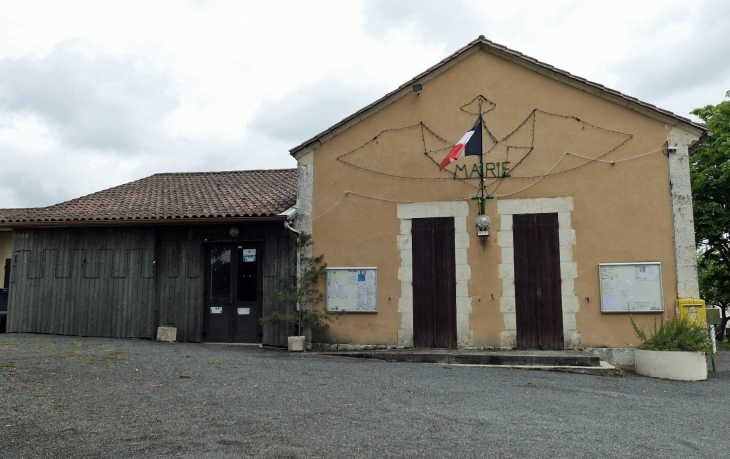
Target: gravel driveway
[(96, 397)]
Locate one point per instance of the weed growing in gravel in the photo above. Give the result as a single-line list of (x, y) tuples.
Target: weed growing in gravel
[(9, 343), (9, 365), (185, 356), (114, 355), (215, 362)]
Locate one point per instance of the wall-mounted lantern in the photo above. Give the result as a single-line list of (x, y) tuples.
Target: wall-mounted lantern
[(233, 232), (483, 223)]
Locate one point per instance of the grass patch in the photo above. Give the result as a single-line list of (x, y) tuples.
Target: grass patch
[(9, 343), (113, 352), (9, 365), (215, 362), (723, 345)]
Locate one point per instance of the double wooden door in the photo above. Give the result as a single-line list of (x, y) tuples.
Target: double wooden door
[(434, 282), (537, 281), (233, 294)]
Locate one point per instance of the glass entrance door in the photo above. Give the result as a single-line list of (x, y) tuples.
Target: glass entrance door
[(233, 294)]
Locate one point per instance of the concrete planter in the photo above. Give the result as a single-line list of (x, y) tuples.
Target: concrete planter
[(167, 334), (296, 343), (681, 366)]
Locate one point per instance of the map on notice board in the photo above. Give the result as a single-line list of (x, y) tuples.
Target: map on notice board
[(352, 289), (631, 287)]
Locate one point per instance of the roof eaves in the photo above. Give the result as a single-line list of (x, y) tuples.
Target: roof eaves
[(596, 89), (401, 91), (517, 57)]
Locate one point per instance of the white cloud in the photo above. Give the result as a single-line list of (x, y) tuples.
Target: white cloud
[(94, 94), (97, 102), (449, 25), (683, 64), (310, 109)]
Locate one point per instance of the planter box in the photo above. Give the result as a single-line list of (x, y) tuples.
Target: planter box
[(167, 334), (296, 343), (681, 366)]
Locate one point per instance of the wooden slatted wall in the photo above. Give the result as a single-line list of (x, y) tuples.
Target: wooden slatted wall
[(126, 281), (91, 282)]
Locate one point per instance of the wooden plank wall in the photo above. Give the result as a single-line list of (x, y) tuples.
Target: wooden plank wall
[(91, 282), (126, 281)]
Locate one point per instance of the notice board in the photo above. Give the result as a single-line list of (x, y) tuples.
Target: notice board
[(631, 287), (352, 289)]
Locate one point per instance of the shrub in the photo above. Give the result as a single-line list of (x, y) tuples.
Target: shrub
[(298, 287), (674, 335)]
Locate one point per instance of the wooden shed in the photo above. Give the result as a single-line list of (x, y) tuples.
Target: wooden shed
[(203, 252)]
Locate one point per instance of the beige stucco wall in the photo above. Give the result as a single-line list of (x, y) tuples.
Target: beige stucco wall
[(6, 251), (621, 213)]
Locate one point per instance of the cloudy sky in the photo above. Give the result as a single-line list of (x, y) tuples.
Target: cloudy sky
[(98, 93)]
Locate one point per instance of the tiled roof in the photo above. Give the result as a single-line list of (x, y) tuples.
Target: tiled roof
[(514, 56), (189, 195)]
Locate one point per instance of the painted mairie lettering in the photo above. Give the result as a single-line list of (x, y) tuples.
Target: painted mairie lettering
[(494, 170)]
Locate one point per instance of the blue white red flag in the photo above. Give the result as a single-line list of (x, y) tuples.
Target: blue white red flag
[(470, 144)]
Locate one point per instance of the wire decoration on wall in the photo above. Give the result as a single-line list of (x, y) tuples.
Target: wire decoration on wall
[(434, 146), (512, 151)]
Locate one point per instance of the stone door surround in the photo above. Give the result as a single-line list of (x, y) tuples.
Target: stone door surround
[(459, 210), (506, 208)]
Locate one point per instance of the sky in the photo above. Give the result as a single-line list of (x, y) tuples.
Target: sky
[(97, 93)]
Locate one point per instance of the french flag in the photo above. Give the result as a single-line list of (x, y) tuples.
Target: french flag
[(469, 145)]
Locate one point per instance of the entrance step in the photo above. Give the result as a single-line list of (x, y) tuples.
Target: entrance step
[(563, 361)]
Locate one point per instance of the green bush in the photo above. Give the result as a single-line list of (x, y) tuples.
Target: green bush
[(674, 335), (298, 287), (316, 319)]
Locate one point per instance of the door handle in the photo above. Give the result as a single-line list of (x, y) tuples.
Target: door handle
[(230, 298)]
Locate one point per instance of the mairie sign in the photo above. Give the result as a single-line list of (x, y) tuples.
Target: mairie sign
[(490, 170)]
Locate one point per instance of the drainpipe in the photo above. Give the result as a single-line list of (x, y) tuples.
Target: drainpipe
[(286, 225)]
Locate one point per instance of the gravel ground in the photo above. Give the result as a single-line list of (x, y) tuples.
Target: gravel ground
[(95, 397)]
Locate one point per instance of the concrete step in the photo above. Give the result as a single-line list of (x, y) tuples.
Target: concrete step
[(563, 361), (477, 358), (604, 369)]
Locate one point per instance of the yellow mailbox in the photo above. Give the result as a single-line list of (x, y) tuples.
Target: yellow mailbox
[(693, 309)]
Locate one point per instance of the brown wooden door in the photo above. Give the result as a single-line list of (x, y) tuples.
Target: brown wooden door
[(537, 281), (434, 282)]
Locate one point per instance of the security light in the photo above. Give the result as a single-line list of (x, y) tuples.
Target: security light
[(483, 223)]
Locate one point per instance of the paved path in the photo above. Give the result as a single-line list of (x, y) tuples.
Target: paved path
[(94, 397)]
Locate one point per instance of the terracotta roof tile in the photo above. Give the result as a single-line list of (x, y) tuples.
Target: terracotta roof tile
[(188, 195)]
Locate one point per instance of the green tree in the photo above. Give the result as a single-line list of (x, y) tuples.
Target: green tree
[(710, 175), (299, 287), (715, 287)]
